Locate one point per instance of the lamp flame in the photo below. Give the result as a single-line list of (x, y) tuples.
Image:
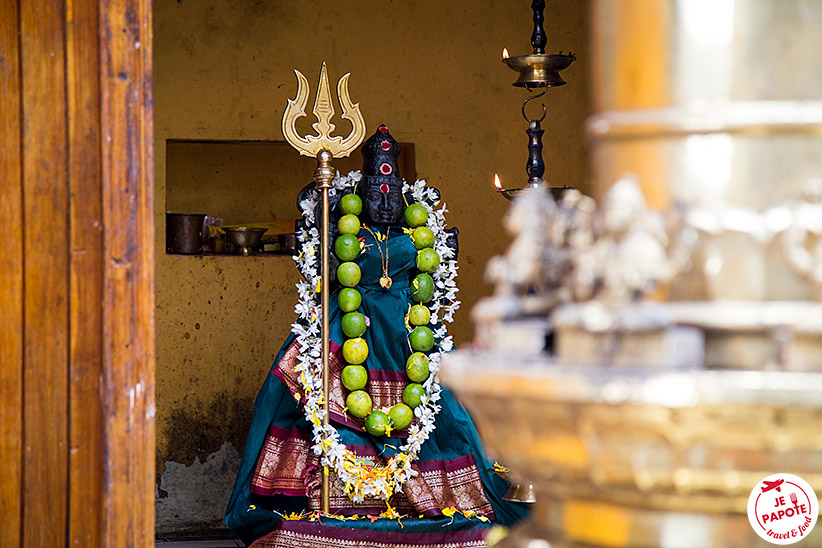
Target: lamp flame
[(505, 53), (497, 182)]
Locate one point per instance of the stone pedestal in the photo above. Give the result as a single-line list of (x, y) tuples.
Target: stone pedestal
[(773, 335), (640, 335)]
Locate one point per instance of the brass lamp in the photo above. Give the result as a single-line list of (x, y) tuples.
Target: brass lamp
[(539, 70), (536, 70)]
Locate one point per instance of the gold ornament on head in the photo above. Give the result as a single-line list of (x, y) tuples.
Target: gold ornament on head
[(311, 145)]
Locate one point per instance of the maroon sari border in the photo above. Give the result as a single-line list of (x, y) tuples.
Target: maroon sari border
[(368, 451), (449, 465), (387, 375), (345, 420), (384, 537), (277, 372), (334, 348), (285, 373), (278, 491), (358, 511), (283, 434)]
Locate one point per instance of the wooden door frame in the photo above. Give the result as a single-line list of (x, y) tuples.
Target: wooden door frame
[(76, 274), (127, 144)]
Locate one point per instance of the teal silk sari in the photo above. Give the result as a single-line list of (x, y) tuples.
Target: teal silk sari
[(279, 473)]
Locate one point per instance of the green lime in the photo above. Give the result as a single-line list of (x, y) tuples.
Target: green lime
[(351, 204), (349, 299), (422, 288), (427, 260), (348, 274), (422, 237), (355, 350), (419, 315), (377, 423), (401, 416), (353, 324), (415, 215), (421, 339), (349, 224), (347, 247), (412, 395), (417, 367), (354, 377), (358, 403)]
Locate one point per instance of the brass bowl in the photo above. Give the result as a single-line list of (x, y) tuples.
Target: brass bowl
[(244, 238)]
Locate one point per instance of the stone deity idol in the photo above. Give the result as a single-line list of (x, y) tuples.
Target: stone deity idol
[(400, 449), (381, 187)]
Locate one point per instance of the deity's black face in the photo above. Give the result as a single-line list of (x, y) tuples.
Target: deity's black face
[(382, 201)]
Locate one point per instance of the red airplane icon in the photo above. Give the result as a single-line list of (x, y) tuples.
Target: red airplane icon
[(773, 485)]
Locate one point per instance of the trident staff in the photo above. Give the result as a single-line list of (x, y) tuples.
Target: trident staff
[(325, 148)]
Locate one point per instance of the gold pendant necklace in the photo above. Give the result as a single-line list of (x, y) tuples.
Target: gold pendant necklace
[(385, 280)]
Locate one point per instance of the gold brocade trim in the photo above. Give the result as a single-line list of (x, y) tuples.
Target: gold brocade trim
[(427, 493), (341, 503), (286, 459), (336, 402), (285, 370), (294, 539), (283, 464), (384, 393), (433, 490)]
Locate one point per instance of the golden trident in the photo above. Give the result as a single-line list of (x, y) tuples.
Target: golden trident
[(325, 148)]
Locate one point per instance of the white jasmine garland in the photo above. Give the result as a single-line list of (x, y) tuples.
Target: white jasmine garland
[(361, 479)]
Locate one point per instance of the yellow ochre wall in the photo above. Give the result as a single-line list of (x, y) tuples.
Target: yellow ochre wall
[(428, 69)]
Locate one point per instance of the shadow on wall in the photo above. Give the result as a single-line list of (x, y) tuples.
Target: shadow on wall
[(196, 481)]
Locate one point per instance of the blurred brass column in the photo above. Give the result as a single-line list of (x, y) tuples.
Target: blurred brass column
[(674, 77), (709, 101)]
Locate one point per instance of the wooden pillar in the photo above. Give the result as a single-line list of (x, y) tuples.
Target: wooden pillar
[(77, 274), (86, 283), (11, 281), (127, 138)]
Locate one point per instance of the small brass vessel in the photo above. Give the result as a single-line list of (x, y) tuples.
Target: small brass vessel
[(244, 239)]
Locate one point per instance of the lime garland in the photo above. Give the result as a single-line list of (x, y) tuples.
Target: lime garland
[(358, 403), (360, 477)]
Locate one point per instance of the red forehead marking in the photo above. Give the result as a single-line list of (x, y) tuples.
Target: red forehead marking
[(385, 145), (386, 169), (384, 188)]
